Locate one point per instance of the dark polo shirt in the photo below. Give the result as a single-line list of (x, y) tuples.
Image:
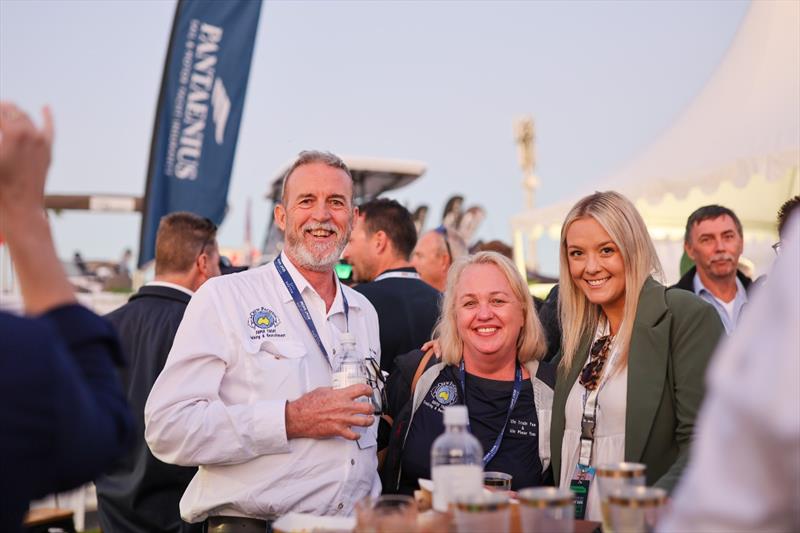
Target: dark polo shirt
[(407, 311)]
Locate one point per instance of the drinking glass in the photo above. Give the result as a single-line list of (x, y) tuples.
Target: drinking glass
[(392, 513), (478, 513), (547, 509), (636, 509), (497, 481), (612, 476)]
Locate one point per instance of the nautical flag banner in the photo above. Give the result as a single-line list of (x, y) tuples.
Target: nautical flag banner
[(199, 111)]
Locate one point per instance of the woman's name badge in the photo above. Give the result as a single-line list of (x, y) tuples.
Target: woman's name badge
[(579, 485)]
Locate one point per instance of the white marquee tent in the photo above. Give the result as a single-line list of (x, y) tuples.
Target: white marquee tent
[(737, 145)]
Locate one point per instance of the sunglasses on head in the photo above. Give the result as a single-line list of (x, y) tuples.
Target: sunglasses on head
[(590, 375), (442, 230)]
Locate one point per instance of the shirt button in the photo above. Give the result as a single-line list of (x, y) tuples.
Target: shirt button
[(341, 505), (352, 461)]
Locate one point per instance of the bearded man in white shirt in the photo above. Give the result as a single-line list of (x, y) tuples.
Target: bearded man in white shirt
[(246, 391)]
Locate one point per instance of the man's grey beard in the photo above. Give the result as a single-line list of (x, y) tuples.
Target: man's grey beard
[(304, 257)]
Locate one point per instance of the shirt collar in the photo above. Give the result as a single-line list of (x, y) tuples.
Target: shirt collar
[(740, 290), (699, 288), (170, 285), (303, 285), (697, 285), (410, 269)]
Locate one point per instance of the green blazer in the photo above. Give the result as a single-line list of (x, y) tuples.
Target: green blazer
[(673, 337)]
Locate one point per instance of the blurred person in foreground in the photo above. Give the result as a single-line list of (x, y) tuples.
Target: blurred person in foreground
[(246, 391), (633, 353), (435, 251), (141, 493), (744, 472), (714, 241), (380, 245), (491, 342), (63, 414)]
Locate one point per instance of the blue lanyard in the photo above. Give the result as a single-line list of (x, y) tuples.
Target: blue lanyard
[(514, 397), (303, 308)]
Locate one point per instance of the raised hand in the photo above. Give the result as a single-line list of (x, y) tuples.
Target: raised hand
[(25, 152), (24, 159)]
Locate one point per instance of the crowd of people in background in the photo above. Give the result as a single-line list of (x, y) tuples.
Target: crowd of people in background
[(210, 402)]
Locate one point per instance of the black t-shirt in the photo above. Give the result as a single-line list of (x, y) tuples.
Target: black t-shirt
[(487, 402)]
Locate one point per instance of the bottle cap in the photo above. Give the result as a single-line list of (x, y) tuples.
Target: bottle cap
[(456, 415), (347, 338)]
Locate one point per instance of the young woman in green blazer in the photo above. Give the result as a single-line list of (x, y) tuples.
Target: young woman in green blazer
[(633, 354)]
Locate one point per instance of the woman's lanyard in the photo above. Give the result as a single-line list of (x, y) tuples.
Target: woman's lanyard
[(514, 397), (303, 308), (589, 418)]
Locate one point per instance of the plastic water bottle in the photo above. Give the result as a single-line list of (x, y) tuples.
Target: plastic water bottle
[(456, 460), (351, 368)]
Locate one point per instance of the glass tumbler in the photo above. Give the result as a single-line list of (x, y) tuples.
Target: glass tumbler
[(478, 513), (391, 513), (636, 509), (547, 509), (497, 481), (612, 476)]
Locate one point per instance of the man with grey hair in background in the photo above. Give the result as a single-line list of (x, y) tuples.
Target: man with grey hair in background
[(246, 392), (435, 251), (714, 241)]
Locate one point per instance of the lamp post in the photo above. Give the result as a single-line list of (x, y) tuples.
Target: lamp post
[(525, 136)]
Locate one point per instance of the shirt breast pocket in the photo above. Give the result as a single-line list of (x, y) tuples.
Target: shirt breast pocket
[(369, 437), (280, 369)]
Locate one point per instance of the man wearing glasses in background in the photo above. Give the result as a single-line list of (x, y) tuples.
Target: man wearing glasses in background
[(436, 250), (141, 494), (246, 392)]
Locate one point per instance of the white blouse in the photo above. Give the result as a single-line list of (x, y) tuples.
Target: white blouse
[(609, 436)]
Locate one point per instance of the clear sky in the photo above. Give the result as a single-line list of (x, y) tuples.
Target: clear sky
[(440, 82)]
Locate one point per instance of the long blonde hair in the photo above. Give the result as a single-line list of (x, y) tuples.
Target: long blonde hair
[(623, 223), (530, 342)]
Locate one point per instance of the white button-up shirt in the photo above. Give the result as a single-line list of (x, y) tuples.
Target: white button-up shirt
[(241, 352)]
